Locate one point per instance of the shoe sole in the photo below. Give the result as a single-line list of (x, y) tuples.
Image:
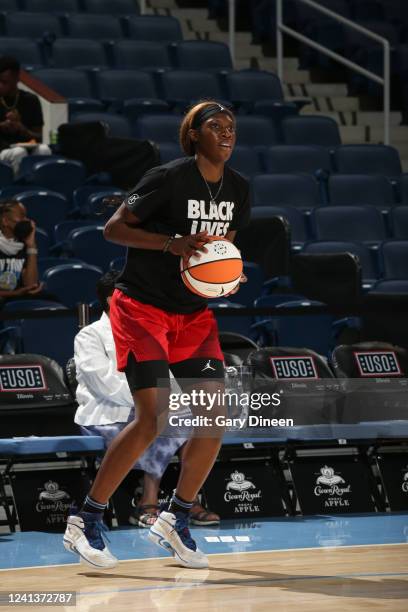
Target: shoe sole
[(70, 547), (158, 539)]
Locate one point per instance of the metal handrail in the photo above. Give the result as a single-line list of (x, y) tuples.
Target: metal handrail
[(385, 81)]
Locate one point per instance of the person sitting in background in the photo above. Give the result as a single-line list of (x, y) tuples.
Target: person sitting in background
[(18, 253), (105, 406), (21, 118)]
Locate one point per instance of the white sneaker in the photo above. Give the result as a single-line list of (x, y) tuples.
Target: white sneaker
[(172, 533), (83, 536)]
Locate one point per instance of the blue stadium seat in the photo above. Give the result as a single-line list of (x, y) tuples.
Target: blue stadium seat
[(45, 263), (89, 244), (10, 191), (399, 222), (6, 174), (51, 6), (118, 126), (311, 130), (368, 159), (391, 286), (349, 223), (352, 189), (30, 304), (62, 175), (81, 195), (181, 87), (297, 221), (154, 27), (95, 206), (394, 257), (202, 55), (72, 283), (72, 84), (112, 7), (246, 87), (403, 188), (170, 151), (125, 84), (257, 132), (26, 51), (283, 159), (253, 288), (63, 228), (245, 160), (94, 27), (226, 323), (132, 91), (141, 55), (312, 331), (53, 337), (46, 207), (78, 53), (29, 161), (297, 190), (362, 252), (32, 25), (159, 128)]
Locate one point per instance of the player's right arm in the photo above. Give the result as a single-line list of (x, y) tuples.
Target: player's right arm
[(123, 228)]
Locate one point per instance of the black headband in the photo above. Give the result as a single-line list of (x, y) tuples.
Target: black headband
[(207, 112)]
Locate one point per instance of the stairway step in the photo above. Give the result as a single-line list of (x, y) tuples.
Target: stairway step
[(398, 134), (352, 134), (333, 104), (270, 63), (199, 14), (160, 4)]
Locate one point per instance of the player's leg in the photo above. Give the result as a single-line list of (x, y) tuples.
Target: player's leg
[(200, 343), (141, 332)]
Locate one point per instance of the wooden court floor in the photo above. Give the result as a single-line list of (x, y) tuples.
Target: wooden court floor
[(342, 579)]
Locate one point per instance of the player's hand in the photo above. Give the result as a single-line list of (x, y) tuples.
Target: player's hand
[(243, 279), (36, 289), (186, 246)]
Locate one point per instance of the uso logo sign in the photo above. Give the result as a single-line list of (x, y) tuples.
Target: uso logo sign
[(285, 368), (377, 363), (22, 378)]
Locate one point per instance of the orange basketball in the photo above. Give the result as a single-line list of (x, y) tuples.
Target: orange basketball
[(215, 273)]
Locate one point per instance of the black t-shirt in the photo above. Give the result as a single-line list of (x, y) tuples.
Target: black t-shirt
[(173, 200), (29, 109), (11, 268)]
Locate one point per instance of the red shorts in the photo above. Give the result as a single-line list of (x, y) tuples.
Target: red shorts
[(153, 334)]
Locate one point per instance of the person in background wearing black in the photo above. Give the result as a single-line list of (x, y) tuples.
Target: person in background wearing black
[(18, 253), (158, 324), (21, 119)]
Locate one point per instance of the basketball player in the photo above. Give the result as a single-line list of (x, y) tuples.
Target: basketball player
[(159, 324)]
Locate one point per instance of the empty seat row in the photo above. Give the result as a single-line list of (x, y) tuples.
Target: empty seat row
[(363, 224), (247, 88), (92, 26), (126, 54), (109, 7)]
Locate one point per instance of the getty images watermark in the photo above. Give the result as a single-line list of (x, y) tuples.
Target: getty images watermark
[(233, 410)]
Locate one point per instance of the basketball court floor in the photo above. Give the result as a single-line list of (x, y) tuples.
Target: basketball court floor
[(330, 563)]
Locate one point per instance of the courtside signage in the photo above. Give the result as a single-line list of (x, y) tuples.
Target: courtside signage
[(294, 368), (377, 363), (22, 378)]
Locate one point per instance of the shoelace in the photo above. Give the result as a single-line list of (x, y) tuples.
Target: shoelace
[(96, 532), (183, 531)]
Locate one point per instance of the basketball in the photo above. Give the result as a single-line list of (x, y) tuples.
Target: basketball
[(215, 273)]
